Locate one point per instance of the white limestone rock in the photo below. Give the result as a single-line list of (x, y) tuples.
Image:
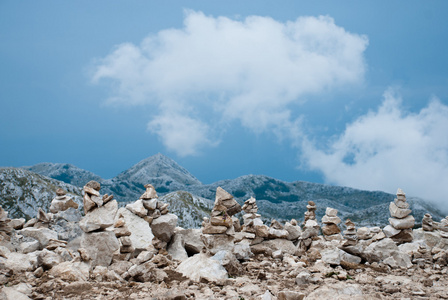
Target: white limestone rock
[(100, 217), (141, 233), (43, 235), (202, 266), (163, 227), (405, 223), (137, 208), (100, 247)]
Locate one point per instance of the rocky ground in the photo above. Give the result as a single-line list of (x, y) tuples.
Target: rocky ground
[(261, 278)]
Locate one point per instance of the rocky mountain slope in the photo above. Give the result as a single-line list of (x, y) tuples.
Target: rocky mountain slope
[(276, 199), (64, 172), (22, 192)]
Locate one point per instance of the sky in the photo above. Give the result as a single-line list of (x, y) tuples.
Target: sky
[(351, 93)]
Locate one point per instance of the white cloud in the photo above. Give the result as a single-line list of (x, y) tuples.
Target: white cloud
[(390, 148), (251, 71), (180, 133)]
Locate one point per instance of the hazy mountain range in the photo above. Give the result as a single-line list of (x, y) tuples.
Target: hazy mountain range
[(23, 190)]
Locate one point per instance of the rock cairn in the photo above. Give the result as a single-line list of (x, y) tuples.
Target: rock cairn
[(5, 227), (427, 223), (310, 214), (443, 228), (122, 233), (310, 228), (148, 206), (330, 222), (252, 222), (155, 224), (401, 220), (62, 202), (97, 243), (218, 231), (350, 234)]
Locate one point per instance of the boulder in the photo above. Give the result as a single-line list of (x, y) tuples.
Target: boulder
[(242, 250), (404, 223), (176, 248), (192, 240), (280, 244), (390, 231), (43, 235), (10, 293), (163, 227), (19, 263), (138, 208), (397, 212), (71, 271), (217, 242), (294, 231), (202, 266), (100, 218), (100, 247), (48, 259), (141, 233)]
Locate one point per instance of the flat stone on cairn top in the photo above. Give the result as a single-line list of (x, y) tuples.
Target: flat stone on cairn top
[(150, 192)]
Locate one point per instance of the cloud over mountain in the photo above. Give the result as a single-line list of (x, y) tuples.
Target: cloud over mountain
[(253, 71), (389, 148)]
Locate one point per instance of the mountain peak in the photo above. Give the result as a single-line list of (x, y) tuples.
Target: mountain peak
[(158, 166)]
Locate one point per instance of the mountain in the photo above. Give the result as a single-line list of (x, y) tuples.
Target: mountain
[(64, 172), (22, 192), (192, 200)]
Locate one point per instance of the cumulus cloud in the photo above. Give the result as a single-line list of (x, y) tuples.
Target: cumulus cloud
[(251, 71), (390, 148)]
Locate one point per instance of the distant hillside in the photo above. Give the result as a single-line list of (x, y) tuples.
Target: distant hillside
[(276, 199), (22, 192), (64, 172)]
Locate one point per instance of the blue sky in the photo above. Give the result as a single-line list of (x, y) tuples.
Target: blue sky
[(349, 93)]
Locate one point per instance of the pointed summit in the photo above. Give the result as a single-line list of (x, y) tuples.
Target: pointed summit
[(158, 166)]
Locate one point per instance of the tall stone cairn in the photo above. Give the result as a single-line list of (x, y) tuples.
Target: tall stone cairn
[(427, 223), (350, 235), (252, 222), (220, 218), (5, 227), (330, 222), (310, 227), (156, 213), (401, 221), (443, 228), (98, 244), (218, 232), (62, 202), (310, 214)]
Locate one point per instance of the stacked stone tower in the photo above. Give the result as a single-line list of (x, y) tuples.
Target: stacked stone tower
[(330, 222), (401, 220)]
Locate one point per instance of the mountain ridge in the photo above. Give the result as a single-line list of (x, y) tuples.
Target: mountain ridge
[(276, 198)]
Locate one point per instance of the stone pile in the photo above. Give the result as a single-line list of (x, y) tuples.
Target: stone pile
[(122, 233), (310, 228), (401, 221), (310, 214), (98, 243), (149, 221), (148, 206), (350, 234), (5, 226), (330, 222), (443, 228), (218, 232), (427, 223), (252, 222), (62, 202)]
